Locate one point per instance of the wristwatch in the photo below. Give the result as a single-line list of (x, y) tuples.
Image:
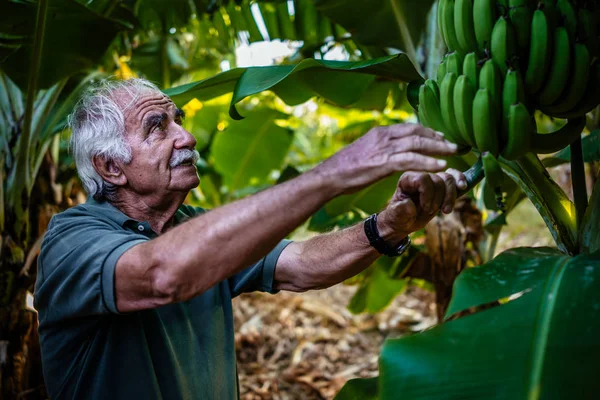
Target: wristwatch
[(377, 241)]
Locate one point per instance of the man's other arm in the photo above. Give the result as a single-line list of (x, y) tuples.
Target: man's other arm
[(328, 259)]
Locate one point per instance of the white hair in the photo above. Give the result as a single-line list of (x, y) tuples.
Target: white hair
[(98, 129)]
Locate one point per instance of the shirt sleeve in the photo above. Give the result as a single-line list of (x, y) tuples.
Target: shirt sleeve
[(76, 268), (260, 276)]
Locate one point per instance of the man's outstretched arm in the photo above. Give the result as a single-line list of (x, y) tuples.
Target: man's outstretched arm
[(194, 256), (328, 259)]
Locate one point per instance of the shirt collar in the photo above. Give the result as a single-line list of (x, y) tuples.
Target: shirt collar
[(121, 218)]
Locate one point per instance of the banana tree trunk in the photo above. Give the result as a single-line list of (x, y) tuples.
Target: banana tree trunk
[(447, 239), (20, 359)]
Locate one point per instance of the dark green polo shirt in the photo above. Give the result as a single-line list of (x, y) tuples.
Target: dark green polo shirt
[(91, 351)]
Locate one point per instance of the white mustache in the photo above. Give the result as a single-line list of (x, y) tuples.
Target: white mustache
[(183, 156)]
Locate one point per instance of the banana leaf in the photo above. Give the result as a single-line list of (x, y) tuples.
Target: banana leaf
[(75, 38), (590, 225), (540, 340), (340, 82), (247, 151), (359, 389), (398, 24)]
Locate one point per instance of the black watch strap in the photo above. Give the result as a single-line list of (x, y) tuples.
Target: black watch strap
[(379, 244)]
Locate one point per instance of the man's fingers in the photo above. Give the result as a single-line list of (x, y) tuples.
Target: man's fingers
[(399, 131), (427, 146), (410, 161), (450, 194), (439, 193), (459, 177)]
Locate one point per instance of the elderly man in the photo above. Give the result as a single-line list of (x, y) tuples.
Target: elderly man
[(134, 288)]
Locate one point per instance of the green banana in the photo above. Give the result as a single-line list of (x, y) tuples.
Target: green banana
[(569, 17), (485, 122), (504, 44), (520, 16), (588, 31), (454, 63), (590, 100), (421, 110), (434, 88), (464, 94), (539, 52), (412, 92), (547, 143), (463, 22), (560, 68), (447, 107), (470, 68), (483, 23), (429, 105), (575, 90), (440, 20), (513, 92), (490, 79), (494, 176), (449, 27), (519, 132), (441, 72)]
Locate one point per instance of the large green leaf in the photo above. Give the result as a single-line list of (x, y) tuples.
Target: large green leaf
[(369, 200), (377, 291), (383, 23), (74, 39), (340, 82), (359, 389), (247, 151), (590, 225), (381, 282), (543, 344)]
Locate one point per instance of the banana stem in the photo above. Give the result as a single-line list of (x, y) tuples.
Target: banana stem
[(164, 61), (548, 198), (23, 164), (473, 175), (410, 49), (580, 194)]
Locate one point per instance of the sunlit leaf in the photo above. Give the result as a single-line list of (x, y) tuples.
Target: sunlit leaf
[(247, 151)]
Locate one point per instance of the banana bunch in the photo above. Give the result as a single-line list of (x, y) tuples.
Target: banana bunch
[(507, 59)]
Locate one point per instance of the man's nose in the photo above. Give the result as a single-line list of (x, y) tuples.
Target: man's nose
[(184, 139)]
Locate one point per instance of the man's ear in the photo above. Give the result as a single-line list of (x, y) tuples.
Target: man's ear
[(109, 171)]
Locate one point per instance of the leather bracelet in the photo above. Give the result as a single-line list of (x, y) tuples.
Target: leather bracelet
[(379, 244)]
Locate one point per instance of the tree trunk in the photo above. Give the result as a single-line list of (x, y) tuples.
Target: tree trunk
[(20, 358), (447, 240)]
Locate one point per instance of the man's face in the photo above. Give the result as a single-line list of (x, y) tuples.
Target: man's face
[(154, 132)]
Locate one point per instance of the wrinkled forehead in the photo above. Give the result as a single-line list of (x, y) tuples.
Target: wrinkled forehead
[(136, 104)]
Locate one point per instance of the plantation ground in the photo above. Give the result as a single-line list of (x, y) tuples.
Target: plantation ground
[(306, 346)]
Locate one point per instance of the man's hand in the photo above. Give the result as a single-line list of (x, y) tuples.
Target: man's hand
[(383, 151), (418, 197)]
